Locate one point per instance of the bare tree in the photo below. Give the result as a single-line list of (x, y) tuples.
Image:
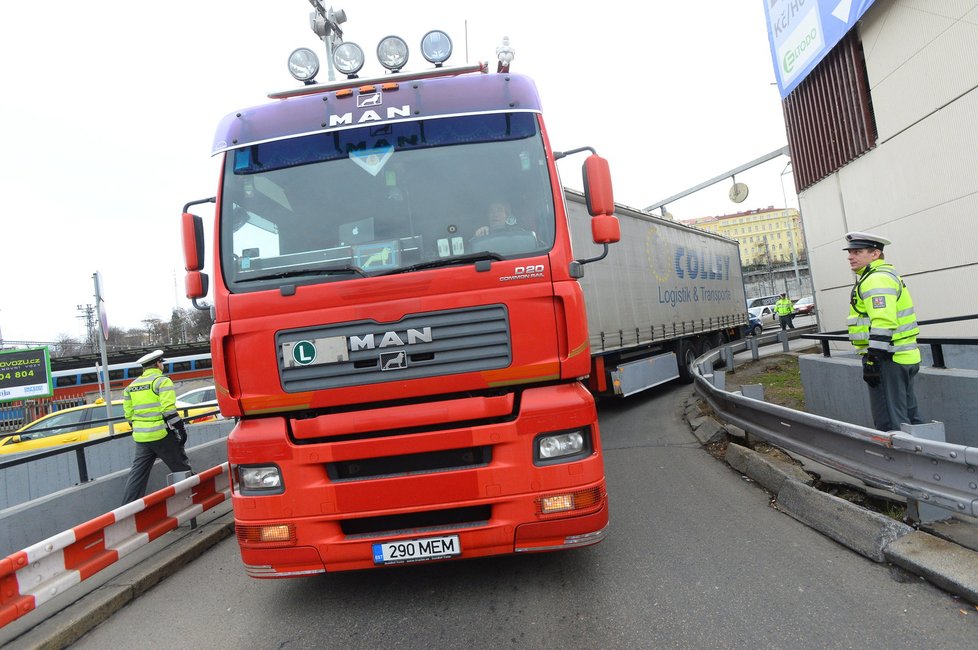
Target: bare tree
[(67, 346)]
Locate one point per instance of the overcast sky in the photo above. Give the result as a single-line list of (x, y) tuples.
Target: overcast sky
[(110, 110)]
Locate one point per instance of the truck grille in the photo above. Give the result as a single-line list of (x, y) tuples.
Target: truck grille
[(408, 464), (417, 522), (461, 340)]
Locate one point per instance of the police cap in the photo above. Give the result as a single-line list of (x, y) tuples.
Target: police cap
[(150, 359), (857, 240)]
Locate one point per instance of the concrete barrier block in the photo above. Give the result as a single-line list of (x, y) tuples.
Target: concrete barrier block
[(945, 564), (709, 431), (769, 472), (866, 532)]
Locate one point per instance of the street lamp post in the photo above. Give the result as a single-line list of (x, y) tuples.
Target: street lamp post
[(326, 24)]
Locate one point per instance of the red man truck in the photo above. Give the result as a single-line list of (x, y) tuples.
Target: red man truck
[(400, 326)]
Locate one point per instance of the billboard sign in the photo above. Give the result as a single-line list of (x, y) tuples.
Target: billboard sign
[(25, 374), (802, 32)]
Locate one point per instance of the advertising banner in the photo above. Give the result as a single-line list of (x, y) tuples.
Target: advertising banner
[(802, 32), (25, 374)]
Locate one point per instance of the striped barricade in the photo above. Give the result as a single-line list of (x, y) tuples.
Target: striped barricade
[(30, 577)]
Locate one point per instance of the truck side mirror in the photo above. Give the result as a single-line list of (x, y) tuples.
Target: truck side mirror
[(195, 282), (193, 241), (597, 186), (605, 228)]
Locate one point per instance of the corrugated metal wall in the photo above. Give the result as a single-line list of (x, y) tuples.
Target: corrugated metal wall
[(829, 116)]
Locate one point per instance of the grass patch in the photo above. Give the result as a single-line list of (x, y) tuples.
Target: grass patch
[(780, 375)]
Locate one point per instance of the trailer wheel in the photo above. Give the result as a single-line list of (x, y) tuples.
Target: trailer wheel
[(686, 355)]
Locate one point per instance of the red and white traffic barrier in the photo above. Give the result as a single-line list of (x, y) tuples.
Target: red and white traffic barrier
[(40, 572)]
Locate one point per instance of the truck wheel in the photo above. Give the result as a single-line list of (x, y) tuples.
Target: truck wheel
[(685, 356)]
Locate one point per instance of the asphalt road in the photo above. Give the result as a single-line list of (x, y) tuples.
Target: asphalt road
[(696, 559)]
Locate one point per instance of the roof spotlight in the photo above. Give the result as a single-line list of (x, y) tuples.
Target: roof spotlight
[(348, 58), (304, 65), (436, 47), (392, 52)]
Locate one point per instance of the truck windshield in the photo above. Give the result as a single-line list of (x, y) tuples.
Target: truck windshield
[(385, 198)]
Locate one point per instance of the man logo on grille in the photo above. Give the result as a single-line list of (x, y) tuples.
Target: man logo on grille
[(393, 360)]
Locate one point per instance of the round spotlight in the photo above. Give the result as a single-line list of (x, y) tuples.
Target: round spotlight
[(393, 53), (304, 65), (348, 58), (436, 47)]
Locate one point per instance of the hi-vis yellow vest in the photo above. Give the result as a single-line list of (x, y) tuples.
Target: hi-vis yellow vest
[(881, 314), (149, 403)]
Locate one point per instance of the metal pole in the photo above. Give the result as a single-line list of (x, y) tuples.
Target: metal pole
[(102, 343), (794, 255)]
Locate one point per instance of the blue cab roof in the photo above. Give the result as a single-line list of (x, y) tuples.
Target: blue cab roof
[(413, 99)]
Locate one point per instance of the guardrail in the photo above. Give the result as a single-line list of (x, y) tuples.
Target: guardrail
[(38, 573), (78, 448), (936, 344), (936, 473)]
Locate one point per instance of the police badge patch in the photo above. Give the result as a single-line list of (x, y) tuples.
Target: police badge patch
[(879, 302)]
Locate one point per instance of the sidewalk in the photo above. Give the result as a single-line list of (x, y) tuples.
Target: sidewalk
[(945, 553)]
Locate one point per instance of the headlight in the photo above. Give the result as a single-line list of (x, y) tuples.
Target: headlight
[(392, 52), (348, 58), (436, 47), (304, 64), (563, 445), (260, 480)]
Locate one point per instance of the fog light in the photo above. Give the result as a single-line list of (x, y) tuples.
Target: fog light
[(392, 52), (581, 501), (558, 503), (348, 58), (436, 47), (269, 535), (279, 533), (304, 65), (559, 445)]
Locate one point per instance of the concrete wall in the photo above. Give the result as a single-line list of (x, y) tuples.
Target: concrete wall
[(39, 478), (834, 388), (918, 186), (72, 504)]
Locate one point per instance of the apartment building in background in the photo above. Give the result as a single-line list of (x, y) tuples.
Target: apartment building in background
[(768, 237)]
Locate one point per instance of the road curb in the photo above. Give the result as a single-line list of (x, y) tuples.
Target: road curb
[(70, 624), (943, 563)]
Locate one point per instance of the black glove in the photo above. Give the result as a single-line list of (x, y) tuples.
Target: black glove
[(872, 368), (181, 432)]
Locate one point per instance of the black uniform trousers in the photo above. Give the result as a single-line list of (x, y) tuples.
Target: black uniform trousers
[(167, 449), (893, 401)]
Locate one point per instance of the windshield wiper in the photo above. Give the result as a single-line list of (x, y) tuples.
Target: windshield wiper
[(332, 270), (448, 261)]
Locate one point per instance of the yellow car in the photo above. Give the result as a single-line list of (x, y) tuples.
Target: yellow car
[(76, 424)]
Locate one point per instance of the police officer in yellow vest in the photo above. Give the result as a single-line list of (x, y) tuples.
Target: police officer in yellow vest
[(883, 329), (785, 310), (149, 403)]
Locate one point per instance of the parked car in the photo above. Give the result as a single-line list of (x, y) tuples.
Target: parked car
[(804, 306), (76, 424), (763, 301), (199, 400), (754, 326), (82, 423), (764, 312)]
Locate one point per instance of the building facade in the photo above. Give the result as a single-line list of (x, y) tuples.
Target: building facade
[(883, 140), (768, 237)]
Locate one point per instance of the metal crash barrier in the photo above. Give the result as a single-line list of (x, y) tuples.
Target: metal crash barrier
[(34, 575), (936, 473)]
